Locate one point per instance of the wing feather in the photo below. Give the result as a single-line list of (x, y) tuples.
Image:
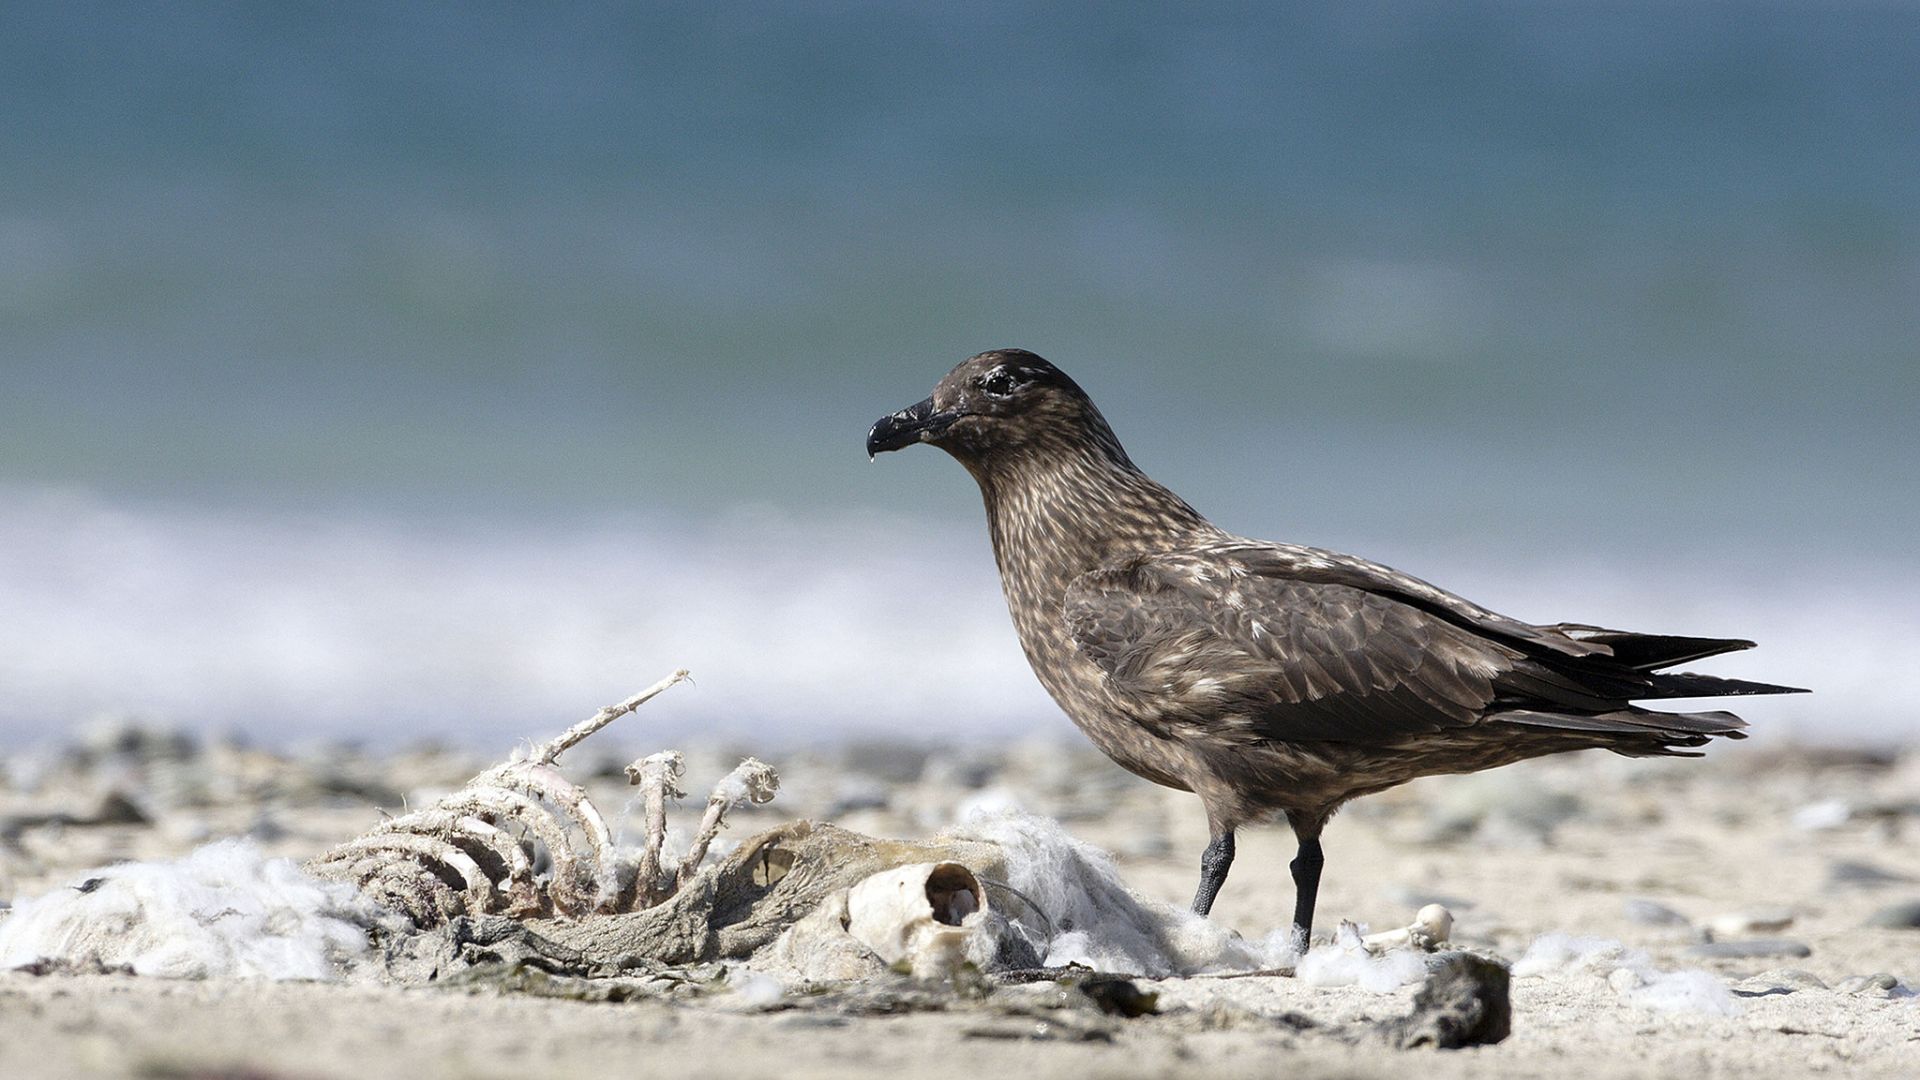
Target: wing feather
[(1205, 642)]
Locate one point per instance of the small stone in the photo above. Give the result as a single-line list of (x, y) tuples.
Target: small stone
[(1625, 980), (114, 808), (1903, 916), (1743, 923), (1879, 985), (1784, 980), (267, 829), (1751, 949), (1652, 913), (1117, 995), (1823, 815), (1463, 1003), (751, 991), (1848, 873)]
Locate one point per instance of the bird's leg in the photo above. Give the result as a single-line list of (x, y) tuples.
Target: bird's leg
[(1214, 863), (1306, 888)]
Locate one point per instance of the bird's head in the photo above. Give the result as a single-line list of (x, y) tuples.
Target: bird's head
[(994, 406)]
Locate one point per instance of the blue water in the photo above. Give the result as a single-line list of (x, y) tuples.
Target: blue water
[(399, 369)]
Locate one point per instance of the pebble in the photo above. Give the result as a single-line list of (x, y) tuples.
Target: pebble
[(1743, 923), (1750, 949), (266, 828), (115, 808), (1652, 913), (1846, 872), (1823, 815), (1904, 916), (751, 991), (1879, 984), (1787, 979)]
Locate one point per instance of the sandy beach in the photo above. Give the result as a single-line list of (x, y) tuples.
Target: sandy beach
[(1734, 916), (390, 385)]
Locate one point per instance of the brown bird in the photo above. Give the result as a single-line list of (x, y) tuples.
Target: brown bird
[(1269, 679)]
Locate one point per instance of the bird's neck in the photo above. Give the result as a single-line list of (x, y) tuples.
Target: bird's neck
[(1057, 515)]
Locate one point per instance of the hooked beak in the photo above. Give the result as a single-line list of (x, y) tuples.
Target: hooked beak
[(915, 423)]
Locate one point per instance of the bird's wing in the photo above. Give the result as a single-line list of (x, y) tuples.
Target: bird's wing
[(1299, 563), (1209, 641)]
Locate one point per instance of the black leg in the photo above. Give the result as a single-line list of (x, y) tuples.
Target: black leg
[(1306, 888), (1214, 863)]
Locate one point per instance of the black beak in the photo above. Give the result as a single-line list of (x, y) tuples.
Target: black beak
[(915, 423)]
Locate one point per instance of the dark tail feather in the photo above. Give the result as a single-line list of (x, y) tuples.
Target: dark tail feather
[(1649, 652), (1637, 732), (1680, 684), (1590, 687)]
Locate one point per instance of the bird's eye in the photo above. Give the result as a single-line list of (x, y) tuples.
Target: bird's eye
[(999, 382)]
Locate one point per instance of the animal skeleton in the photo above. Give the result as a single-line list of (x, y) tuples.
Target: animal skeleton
[(479, 850)]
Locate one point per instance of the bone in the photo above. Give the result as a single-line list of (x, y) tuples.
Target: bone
[(658, 777), (549, 752), (501, 855), (479, 836), (408, 887), (1432, 926), (497, 804), (919, 916), (429, 849), (550, 784), (751, 781)]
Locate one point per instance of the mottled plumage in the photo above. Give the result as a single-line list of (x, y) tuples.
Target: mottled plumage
[(1269, 679)]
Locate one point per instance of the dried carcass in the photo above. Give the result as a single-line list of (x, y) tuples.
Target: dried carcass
[(522, 840)]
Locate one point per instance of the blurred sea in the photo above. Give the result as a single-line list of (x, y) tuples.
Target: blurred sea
[(399, 371)]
